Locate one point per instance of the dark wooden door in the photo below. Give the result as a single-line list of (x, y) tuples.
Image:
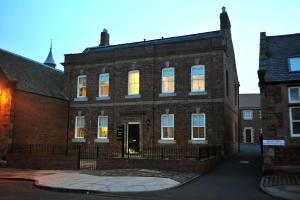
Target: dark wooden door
[(248, 135), (133, 138)]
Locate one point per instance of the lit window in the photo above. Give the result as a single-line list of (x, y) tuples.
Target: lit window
[(102, 127), (294, 95), (294, 64), (167, 127), (197, 78), (247, 114), (104, 85), (81, 86), (198, 126), (295, 121), (79, 127), (168, 80), (133, 83)]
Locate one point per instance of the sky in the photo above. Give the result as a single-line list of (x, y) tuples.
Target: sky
[(27, 27)]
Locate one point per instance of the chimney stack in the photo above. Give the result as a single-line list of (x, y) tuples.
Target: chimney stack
[(224, 20), (104, 41)]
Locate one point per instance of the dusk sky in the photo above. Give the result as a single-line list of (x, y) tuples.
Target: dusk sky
[(26, 27)]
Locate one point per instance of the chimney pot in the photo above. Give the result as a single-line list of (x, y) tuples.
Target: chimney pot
[(104, 40), (223, 9)]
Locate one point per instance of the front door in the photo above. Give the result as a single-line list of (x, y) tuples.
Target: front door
[(133, 137), (248, 135)]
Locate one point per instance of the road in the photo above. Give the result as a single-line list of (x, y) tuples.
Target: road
[(236, 177)]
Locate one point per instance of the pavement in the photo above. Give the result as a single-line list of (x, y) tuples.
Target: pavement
[(74, 181)]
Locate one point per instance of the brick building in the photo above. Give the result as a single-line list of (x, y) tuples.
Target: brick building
[(279, 81), (180, 91), (33, 108), (250, 118)]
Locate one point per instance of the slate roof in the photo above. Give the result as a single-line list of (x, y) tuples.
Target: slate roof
[(32, 76), (156, 42), (249, 101), (280, 48)]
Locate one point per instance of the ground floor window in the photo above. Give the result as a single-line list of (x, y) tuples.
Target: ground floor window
[(167, 127), (102, 127), (79, 127), (295, 121), (198, 126)]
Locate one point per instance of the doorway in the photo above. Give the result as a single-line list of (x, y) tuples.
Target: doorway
[(133, 137), (248, 135)]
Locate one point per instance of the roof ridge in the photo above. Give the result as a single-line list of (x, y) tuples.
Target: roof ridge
[(292, 34), (31, 60)]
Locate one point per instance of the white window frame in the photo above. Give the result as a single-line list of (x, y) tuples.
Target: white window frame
[(98, 132), (76, 118), (104, 74), (193, 67), (162, 130), (247, 118), (133, 71), (192, 136), (290, 99), (259, 114), (289, 62), (252, 134), (291, 122), (162, 86), (78, 86)]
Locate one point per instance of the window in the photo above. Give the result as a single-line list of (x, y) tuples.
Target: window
[(295, 121), (247, 114), (79, 127), (102, 127), (167, 127), (294, 96), (168, 80), (294, 64), (104, 85), (134, 82), (198, 78), (259, 113), (198, 126), (81, 86)]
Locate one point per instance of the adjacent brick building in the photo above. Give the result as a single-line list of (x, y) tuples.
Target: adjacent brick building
[(279, 81), (177, 91), (250, 118), (33, 108)]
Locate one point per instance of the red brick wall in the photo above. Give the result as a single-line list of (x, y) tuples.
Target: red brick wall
[(255, 123), (39, 119)]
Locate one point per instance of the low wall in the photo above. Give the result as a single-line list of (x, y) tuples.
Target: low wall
[(172, 165), (59, 162)]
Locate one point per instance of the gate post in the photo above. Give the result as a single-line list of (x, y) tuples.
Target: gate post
[(79, 153)]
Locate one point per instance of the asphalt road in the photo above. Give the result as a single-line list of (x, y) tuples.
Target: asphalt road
[(236, 177)]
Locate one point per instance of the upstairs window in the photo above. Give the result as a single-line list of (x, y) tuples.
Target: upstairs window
[(295, 121), (104, 85), (134, 82), (198, 126), (294, 94), (168, 80), (294, 64), (167, 127), (102, 127), (247, 114), (81, 86), (198, 78), (79, 127)]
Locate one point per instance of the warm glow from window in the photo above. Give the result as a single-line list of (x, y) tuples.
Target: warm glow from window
[(134, 83), (81, 87), (168, 80), (102, 127), (167, 127), (198, 78), (104, 85), (80, 127)]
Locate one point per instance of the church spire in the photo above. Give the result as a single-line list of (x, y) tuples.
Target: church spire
[(50, 61)]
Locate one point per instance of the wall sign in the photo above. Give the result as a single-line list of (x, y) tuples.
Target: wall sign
[(120, 131), (273, 142)]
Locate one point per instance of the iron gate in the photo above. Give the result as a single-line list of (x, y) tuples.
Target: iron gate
[(88, 155)]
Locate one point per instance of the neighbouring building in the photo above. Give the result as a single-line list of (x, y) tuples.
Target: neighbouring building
[(33, 107), (179, 91), (279, 81), (250, 118)]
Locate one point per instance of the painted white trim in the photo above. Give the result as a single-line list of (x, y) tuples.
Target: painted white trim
[(247, 118), (289, 93), (98, 133), (192, 134), (78, 88), (197, 66), (252, 134), (75, 136), (99, 95), (291, 122), (161, 126), (128, 84), (162, 90)]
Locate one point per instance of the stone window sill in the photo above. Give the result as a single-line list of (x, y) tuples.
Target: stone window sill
[(198, 142), (80, 99), (78, 140), (167, 94), (197, 93), (166, 141), (133, 96), (101, 140), (103, 98)]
